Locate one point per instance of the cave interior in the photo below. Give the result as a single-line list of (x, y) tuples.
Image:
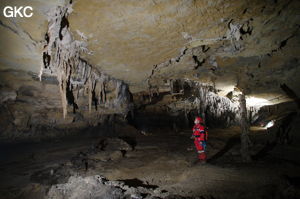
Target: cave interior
[(98, 99)]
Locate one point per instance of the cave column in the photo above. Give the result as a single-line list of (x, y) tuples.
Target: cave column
[(203, 102), (245, 140)]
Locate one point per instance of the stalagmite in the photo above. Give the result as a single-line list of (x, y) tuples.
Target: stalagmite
[(245, 140)]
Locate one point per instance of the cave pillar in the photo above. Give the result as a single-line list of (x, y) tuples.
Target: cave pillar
[(245, 140)]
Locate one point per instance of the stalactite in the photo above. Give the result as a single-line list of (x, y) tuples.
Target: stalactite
[(217, 106), (171, 86), (150, 94), (152, 91), (186, 115), (76, 94), (72, 72), (203, 100), (90, 90), (101, 92), (197, 103), (203, 91), (63, 94)]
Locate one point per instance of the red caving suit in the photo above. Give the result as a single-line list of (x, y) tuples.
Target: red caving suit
[(200, 138)]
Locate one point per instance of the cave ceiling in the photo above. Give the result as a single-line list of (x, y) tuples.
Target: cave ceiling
[(253, 45)]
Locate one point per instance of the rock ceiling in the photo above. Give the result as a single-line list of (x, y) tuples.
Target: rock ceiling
[(253, 45)]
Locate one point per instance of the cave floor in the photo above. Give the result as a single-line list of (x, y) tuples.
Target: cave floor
[(161, 159)]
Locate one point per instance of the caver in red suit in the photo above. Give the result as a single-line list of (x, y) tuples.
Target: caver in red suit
[(200, 137)]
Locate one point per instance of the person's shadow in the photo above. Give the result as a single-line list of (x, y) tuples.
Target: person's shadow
[(231, 142)]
